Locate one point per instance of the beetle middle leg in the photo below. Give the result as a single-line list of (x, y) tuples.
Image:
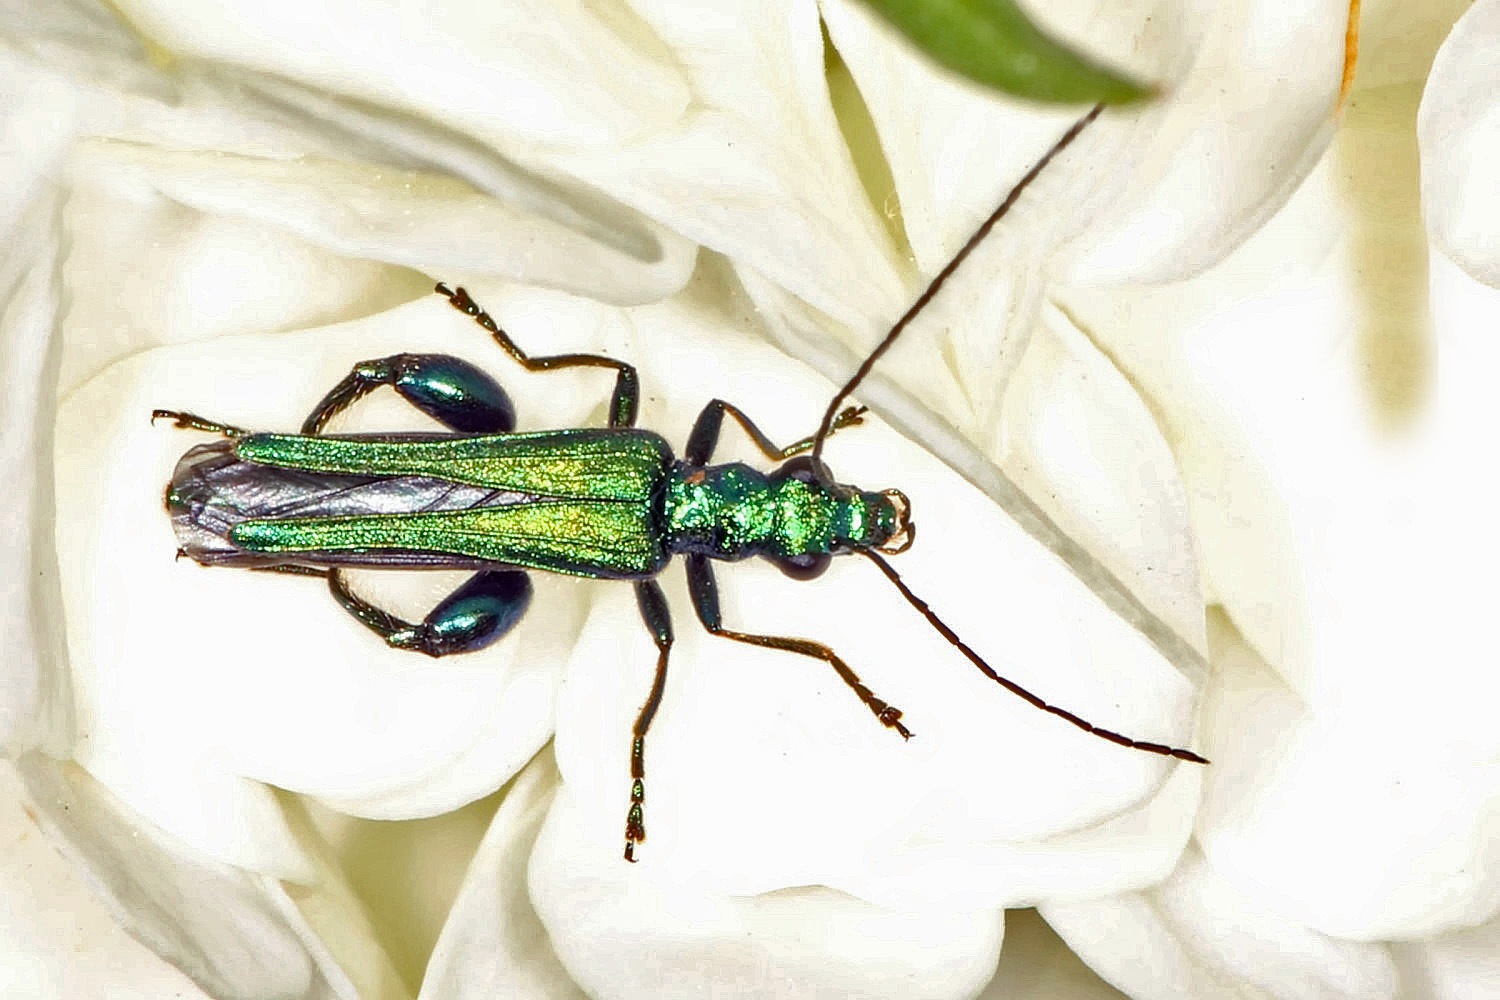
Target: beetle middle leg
[(483, 609), (658, 619), (705, 593), (622, 405), (448, 389)]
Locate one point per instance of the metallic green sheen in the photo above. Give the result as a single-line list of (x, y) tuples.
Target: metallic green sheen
[(594, 538), (582, 464), (734, 511), (590, 507), (605, 503)]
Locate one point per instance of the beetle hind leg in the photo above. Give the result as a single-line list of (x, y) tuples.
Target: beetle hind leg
[(448, 389), (483, 609)]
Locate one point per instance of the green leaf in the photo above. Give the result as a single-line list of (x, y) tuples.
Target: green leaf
[(993, 43)]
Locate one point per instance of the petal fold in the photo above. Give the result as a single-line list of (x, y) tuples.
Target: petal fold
[(235, 934), (1337, 822), (623, 935), (1454, 966), (1459, 131), (493, 943), (1197, 935), (1326, 390), (57, 941), (1173, 186), (550, 74)]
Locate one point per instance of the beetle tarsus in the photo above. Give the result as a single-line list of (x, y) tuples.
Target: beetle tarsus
[(191, 421), (890, 716), (849, 417), (635, 830)]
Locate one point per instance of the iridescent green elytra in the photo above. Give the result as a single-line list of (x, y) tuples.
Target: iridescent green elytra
[(593, 506), (604, 503), (599, 503)]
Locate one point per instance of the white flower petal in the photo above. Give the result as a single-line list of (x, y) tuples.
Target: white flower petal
[(493, 944), (1397, 40), (235, 934), (39, 114), (349, 175), (432, 224), (1243, 126), (1342, 822), (744, 156), (516, 226), (1081, 440), (1459, 129), (223, 244), (1327, 418), (57, 941), (553, 73), (1175, 185), (622, 934), (35, 709), (1459, 965), (1197, 935), (758, 169), (79, 46), (1311, 429), (955, 148), (1036, 963)]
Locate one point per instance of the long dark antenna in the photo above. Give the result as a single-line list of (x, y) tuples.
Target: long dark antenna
[(826, 426), (1012, 686)]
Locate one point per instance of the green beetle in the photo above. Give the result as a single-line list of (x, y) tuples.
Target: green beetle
[(610, 503)]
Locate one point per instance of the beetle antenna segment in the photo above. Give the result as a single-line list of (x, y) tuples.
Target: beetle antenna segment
[(1012, 686), (927, 296)]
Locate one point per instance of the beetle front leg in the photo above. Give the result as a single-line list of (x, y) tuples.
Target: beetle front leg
[(448, 389), (705, 592), (658, 619), (487, 606), (705, 434), (622, 405)]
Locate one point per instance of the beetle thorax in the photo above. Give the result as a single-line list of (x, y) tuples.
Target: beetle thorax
[(734, 511)]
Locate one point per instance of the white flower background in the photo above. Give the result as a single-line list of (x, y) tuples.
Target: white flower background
[(1199, 442)]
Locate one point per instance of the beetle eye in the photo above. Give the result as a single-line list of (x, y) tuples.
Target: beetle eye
[(807, 566), (800, 468)]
